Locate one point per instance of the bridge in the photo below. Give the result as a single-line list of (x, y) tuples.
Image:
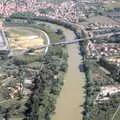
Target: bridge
[(54, 44), (70, 42), (108, 35), (66, 42)]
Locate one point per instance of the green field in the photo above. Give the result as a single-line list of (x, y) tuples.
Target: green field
[(24, 38)]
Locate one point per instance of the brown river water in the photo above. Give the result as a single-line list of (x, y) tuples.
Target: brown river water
[(71, 98), (69, 103)]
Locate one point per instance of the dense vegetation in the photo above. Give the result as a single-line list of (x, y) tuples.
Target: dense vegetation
[(97, 78), (46, 72), (48, 81)]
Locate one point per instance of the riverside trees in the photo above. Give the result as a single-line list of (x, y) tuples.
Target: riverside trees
[(48, 82)]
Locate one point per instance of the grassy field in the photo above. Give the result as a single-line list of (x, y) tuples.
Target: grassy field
[(23, 38)]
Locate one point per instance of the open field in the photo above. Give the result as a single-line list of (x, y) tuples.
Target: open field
[(24, 38)]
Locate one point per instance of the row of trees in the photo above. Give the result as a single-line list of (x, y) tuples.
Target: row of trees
[(31, 17), (17, 3)]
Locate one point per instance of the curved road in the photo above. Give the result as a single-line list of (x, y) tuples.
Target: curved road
[(71, 98)]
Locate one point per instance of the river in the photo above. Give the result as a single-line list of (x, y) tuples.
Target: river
[(69, 103), (71, 99)]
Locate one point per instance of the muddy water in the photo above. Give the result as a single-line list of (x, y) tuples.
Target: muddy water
[(71, 98)]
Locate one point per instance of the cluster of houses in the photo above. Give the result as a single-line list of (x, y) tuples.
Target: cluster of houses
[(97, 26), (96, 50), (66, 10), (114, 60), (18, 89), (107, 91)]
